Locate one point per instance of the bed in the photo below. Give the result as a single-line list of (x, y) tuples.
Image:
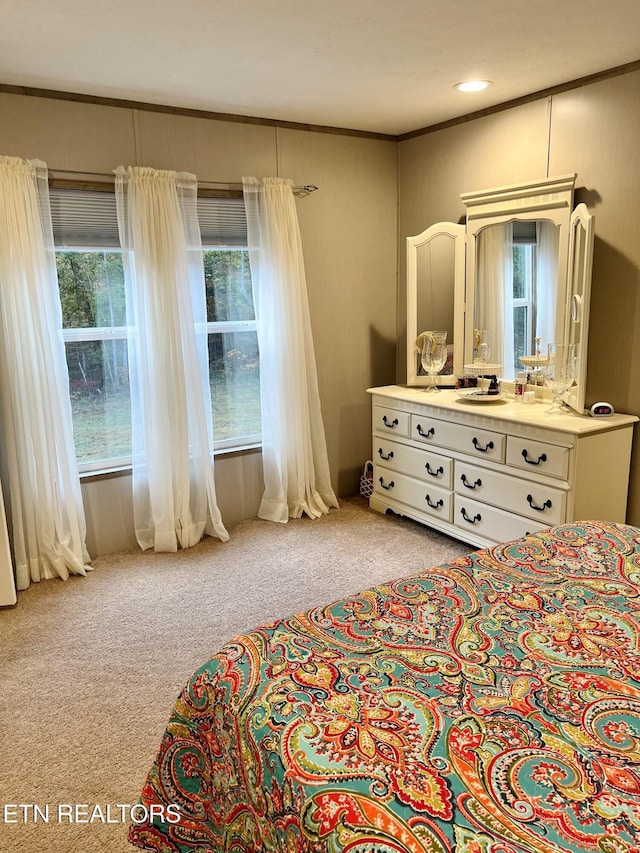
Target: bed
[(490, 705)]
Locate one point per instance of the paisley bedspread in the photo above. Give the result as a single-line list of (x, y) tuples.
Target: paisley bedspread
[(491, 705)]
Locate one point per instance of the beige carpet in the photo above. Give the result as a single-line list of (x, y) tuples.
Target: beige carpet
[(90, 668)]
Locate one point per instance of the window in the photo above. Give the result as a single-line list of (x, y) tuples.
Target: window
[(91, 283), (524, 288), (92, 296), (234, 363)]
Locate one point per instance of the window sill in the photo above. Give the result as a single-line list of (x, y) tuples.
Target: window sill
[(104, 473), (125, 470), (238, 449)]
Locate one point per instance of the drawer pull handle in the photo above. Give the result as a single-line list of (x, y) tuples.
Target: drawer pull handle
[(431, 431), (382, 456), (392, 425), (437, 473), (475, 485), (488, 446), (390, 486), (541, 458), (473, 520), (546, 505), (435, 505)]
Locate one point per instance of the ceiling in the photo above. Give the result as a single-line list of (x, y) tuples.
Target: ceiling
[(386, 66)]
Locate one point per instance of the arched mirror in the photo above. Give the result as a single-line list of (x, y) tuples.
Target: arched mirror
[(435, 292), (517, 252), (516, 289)]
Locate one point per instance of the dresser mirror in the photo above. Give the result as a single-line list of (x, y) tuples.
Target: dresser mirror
[(435, 293), (526, 275), (517, 288)]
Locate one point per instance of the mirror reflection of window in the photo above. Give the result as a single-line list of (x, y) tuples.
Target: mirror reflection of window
[(517, 269), (548, 246), (524, 289)]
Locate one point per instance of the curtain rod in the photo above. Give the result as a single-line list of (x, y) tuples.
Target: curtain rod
[(103, 181)]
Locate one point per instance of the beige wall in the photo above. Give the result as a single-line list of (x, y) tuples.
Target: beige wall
[(108, 501), (349, 232), (593, 131), (373, 194), (351, 280)]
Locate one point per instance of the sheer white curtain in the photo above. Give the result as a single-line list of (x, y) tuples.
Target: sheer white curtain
[(294, 451), (494, 311), (173, 486), (47, 516), (547, 240)]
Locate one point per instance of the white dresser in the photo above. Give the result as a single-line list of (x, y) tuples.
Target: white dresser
[(491, 472)]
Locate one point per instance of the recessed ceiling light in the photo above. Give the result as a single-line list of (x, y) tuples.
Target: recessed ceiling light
[(472, 85)]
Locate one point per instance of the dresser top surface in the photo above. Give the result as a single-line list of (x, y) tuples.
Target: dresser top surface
[(530, 414)]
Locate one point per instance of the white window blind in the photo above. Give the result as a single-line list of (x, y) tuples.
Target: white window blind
[(222, 221), (524, 232), (87, 219), (84, 219)]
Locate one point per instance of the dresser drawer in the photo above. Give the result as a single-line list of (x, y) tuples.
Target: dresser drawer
[(475, 442), (424, 497), (496, 524), (391, 421), (537, 456), (534, 500), (418, 463)]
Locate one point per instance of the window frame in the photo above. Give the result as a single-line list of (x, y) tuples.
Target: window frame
[(110, 333), (243, 442), (528, 301)]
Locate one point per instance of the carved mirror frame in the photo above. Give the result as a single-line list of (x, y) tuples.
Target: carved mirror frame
[(549, 199), (579, 299), (552, 200)]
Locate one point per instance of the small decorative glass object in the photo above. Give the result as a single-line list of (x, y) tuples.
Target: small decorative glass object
[(433, 355), (560, 373), (482, 351), (535, 361)]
